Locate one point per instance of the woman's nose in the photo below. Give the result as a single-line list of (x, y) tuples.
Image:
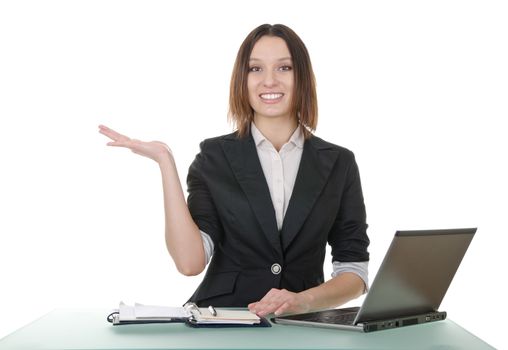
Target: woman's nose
[(269, 78)]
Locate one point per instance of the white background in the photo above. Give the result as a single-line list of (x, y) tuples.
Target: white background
[(418, 90)]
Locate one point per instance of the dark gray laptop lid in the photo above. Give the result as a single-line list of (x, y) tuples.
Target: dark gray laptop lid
[(416, 273)]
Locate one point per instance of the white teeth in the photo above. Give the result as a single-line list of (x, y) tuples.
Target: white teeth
[(271, 96)]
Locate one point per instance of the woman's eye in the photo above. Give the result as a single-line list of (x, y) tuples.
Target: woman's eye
[(254, 69), (285, 68)]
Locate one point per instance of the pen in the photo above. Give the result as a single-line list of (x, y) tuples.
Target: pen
[(212, 310)]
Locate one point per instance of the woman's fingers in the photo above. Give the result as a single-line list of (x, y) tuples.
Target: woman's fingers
[(119, 144), (155, 150), (112, 134), (119, 140), (274, 299), (280, 301), (281, 310)]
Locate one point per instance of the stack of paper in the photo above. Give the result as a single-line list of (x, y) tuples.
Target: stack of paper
[(140, 312), (226, 316)]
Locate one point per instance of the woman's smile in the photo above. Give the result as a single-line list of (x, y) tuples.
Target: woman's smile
[(273, 97)]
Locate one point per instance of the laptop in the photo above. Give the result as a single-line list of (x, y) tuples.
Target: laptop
[(408, 288)]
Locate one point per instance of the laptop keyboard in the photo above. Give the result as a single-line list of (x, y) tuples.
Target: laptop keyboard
[(344, 316), (337, 318)]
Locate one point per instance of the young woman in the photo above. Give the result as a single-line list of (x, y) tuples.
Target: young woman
[(265, 200)]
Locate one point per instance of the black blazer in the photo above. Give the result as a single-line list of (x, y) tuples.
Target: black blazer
[(229, 199)]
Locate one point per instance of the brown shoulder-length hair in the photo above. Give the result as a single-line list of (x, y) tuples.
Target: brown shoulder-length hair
[(304, 103)]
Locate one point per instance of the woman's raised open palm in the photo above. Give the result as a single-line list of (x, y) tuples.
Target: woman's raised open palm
[(155, 150)]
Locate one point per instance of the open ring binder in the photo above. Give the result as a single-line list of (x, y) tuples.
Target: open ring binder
[(190, 314)]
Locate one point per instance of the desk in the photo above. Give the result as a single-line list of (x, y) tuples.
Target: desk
[(85, 329)]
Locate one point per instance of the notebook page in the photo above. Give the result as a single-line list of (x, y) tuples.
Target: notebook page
[(159, 312)]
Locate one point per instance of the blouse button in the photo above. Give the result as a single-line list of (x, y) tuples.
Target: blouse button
[(276, 269)]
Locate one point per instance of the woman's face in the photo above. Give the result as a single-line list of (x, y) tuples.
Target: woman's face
[(270, 78)]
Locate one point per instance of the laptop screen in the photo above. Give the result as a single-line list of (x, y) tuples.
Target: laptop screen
[(416, 273)]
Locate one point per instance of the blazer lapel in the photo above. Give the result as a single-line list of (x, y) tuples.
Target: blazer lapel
[(315, 167), (244, 161)]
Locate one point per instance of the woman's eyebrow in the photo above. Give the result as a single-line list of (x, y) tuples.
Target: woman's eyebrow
[(280, 59)]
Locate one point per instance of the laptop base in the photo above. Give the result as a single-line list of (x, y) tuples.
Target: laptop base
[(403, 321), (344, 319)]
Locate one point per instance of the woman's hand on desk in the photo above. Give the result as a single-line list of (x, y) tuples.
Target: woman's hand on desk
[(281, 301), (155, 150)]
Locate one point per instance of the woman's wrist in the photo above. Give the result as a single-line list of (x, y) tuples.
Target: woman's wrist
[(166, 158), (308, 298)]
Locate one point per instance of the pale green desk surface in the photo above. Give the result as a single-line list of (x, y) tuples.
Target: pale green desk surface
[(85, 329)]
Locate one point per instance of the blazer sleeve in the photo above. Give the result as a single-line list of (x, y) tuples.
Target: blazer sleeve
[(200, 201), (348, 236)]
